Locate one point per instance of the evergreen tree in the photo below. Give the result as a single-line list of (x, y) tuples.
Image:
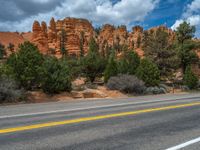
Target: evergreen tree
[(160, 50), (111, 69), (108, 51), (148, 72), (75, 66), (133, 44), (2, 51), (51, 51), (82, 44), (190, 79), (117, 45), (139, 41), (93, 46), (123, 66), (103, 49), (56, 76), (93, 63), (11, 47), (98, 30), (185, 32), (129, 63), (63, 49), (26, 64)]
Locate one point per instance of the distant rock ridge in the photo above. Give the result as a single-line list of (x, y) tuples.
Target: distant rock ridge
[(49, 37)]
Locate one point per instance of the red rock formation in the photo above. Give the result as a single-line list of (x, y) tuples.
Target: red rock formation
[(44, 28), (39, 36), (136, 37), (112, 35), (71, 27), (36, 29), (171, 33), (27, 36), (107, 35), (48, 38), (52, 33), (77, 30), (14, 38)]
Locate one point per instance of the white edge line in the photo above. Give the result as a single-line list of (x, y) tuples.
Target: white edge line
[(86, 108), (185, 144), (76, 109)]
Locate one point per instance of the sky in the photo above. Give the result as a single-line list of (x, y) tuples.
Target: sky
[(19, 15)]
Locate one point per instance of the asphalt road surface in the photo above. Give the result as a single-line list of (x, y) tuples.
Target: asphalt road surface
[(163, 122)]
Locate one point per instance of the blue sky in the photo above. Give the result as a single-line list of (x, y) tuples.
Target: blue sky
[(167, 12), (147, 13)]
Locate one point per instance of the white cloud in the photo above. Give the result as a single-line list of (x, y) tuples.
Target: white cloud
[(191, 15), (101, 12), (194, 20), (176, 24), (98, 11), (194, 7)]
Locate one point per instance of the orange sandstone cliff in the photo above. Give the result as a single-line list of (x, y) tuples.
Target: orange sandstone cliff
[(71, 32), (50, 38)]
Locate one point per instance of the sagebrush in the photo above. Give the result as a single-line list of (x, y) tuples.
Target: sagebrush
[(9, 90), (127, 84)]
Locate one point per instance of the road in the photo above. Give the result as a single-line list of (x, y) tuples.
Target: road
[(141, 123)]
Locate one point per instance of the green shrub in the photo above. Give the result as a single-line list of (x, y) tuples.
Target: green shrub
[(93, 63), (123, 66), (75, 66), (93, 66), (127, 84), (190, 79), (26, 64), (111, 69), (56, 76), (148, 72), (6, 70), (129, 63)]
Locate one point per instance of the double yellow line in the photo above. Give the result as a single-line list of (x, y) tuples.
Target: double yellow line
[(79, 120)]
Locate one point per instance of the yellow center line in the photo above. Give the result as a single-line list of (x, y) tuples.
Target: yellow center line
[(79, 120)]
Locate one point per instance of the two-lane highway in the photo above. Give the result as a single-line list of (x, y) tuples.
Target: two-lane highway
[(141, 123)]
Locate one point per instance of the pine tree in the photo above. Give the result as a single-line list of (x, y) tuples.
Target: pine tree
[(82, 44), (56, 76), (185, 32), (93, 63), (63, 49), (139, 41), (111, 69), (2, 51), (148, 72), (129, 63), (160, 50), (26, 64), (93, 46), (11, 47), (190, 79)]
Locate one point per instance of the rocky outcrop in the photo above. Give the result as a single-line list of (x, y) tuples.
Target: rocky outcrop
[(71, 34), (135, 40), (39, 36), (67, 33), (170, 32), (111, 36), (14, 38)]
